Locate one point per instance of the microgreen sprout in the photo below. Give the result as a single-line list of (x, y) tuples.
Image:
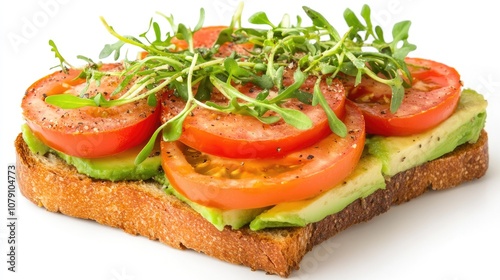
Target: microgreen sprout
[(318, 50)]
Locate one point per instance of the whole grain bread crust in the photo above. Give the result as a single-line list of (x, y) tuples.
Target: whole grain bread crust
[(142, 208)]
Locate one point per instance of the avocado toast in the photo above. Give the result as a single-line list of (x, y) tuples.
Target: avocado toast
[(465, 140)]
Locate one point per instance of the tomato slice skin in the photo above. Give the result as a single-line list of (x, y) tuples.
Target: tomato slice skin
[(240, 136), (299, 175), (432, 98), (87, 132)]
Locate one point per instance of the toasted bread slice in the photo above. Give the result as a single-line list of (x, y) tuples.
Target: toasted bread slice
[(140, 207)]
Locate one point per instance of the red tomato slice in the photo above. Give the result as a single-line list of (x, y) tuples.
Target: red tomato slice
[(240, 136), (87, 132), (252, 183), (432, 98), (207, 36)]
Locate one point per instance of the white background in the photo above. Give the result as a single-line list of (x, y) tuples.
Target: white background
[(449, 235)]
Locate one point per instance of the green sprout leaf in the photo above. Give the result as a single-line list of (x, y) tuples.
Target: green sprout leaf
[(366, 15), (263, 81), (400, 34), (294, 117), (58, 55), (398, 93), (234, 69), (204, 90), (110, 48), (148, 148), (299, 79), (260, 18), (152, 101), (69, 101), (185, 34), (353, 21), (320, 21), (224, 37), (201, 19), (336, 125), (173, 129)]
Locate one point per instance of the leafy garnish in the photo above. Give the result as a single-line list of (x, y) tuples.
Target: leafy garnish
[(63, 63), (318, 50), (336, 125), (293, 117), (69, 101)]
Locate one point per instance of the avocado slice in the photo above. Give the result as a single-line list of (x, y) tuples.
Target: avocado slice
[(35, 145), (114, 168), (218, 217), (363, 181), (402, 153)]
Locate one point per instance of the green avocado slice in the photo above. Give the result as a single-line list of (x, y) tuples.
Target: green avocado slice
[(363, 181), (114, 168), (402, 153)]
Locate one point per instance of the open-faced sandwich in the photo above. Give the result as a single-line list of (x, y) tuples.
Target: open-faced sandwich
[(249, 144)]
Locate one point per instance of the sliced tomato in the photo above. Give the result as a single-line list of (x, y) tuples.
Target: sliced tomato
[(207, 36), (241, 136), (87, 132), (432, 98), (251, 183)]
